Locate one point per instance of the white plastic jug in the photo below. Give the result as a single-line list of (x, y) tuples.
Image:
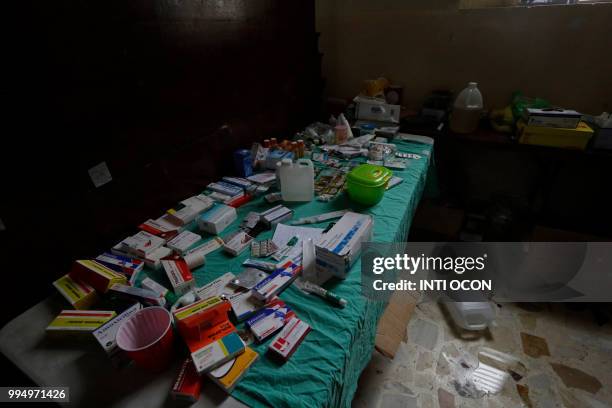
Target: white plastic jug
[(296, 179), (467, 110), (471, 315)]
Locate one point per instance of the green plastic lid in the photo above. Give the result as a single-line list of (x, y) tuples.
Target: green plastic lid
[(370, 175)]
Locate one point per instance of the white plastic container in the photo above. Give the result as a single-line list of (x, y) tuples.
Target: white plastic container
[(296, 179), (467, 110), (471, 315)]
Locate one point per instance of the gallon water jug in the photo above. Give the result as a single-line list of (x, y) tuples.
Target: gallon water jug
[(471, 315), (467, 110), (296, 179)]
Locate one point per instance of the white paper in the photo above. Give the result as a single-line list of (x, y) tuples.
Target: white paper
[(100, 174)]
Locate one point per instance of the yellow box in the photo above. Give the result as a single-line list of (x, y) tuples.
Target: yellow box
[(79, 294), (228, 375), (79, 321), (555, 137)]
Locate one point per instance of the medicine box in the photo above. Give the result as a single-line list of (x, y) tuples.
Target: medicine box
[(79, 294), (107, 333), (187, 385), (276, 282), (269, 320), (215, 220), (140, 294), (179, 275), (122, 264), (188, 210), (142, 244), (79, 321), (230, 373), (218, 352), (340, 247), (95, 274), (193, 320), (183, 241), (289, 339)]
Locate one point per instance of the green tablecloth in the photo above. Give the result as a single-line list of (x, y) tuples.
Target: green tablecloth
[(324, 370)]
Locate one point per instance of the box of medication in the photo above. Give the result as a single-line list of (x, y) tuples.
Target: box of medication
[(276, 282), (215, 220), (230, 373), (179, 275), (289, 339), (183, 241), (188, 383), (79, 321), (95, 274), (218, 352), (106, 334), (270, 319), (79, 294)]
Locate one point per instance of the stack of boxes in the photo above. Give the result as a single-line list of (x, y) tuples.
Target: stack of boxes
[(553, 127)]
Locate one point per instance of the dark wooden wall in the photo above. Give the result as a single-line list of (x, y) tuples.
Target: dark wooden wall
[(162, 90)]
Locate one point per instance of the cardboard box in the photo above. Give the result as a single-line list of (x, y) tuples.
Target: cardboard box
[(391, 330), (340, 247), (139, 294), (276, 282), (269, 320), (577, 138), (95, 274), (79, 321), (150, 284), (193, 320), (244, 304), (215, 220), (237, 243), (107, 333), (184, 241), (230, 373), (188, 210), (217, 352), (163, 227), (218, 287), (179, 275), (289, 339), (188, 384), (142, 244), (79, 294), (552, 117), (226, 188), (276, 215), (130, 267)]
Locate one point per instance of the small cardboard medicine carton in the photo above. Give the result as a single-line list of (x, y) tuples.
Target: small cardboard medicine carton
[(183, 241), (163, 227), (142, 244), (269, 320), (218, 287), (188, 210), (340, 247), (276, 282), (230, 373), (289, 338), (188, 383), (215, 220), (122, 264), (217, 352), (145, 296), (237, 243), (179, 275), (95, 274), (192, 320), (79, 294), (244, 304), (70, 322), (225, 188), (150, 284), (107, 333), (276, 215)]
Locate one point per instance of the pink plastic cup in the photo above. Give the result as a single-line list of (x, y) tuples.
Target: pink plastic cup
[(147, 338)]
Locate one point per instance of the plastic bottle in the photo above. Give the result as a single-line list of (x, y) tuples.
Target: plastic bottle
[(471, 315), (467, 110), (296, 179)]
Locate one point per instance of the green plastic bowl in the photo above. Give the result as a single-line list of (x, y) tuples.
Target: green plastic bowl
[(366, 183)]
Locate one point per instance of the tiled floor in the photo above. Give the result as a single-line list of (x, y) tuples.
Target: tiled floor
[(565, 360)]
